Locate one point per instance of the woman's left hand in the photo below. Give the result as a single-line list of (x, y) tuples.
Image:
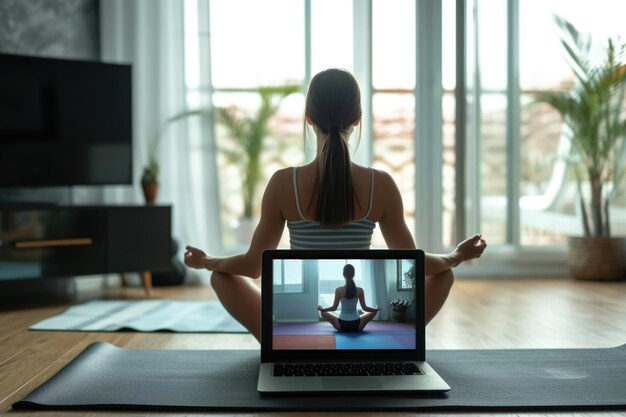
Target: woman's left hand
[(319, 307), (195, 257)]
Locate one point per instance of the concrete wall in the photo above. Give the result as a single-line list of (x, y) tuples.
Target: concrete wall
[(58, 29)]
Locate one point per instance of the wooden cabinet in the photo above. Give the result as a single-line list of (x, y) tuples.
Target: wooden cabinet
[(61, 241)]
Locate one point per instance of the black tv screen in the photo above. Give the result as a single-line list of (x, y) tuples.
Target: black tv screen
[(64, 122)]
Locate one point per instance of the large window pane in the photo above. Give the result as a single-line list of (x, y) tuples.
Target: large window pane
[(492, 48), (393, 44), (256, 42), (282, 147), (394, 148), (448, 170), (548, 202), (493, 167), (331, 277), (393, 103), (331, 35), (288, 276)]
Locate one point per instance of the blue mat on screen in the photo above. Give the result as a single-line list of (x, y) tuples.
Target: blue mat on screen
[(374, 341), (144, 316)]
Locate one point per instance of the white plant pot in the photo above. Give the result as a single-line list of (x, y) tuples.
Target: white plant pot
[(244, 229)]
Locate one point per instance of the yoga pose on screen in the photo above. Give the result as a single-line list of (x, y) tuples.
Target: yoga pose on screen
[(330, 202), (348, 294)]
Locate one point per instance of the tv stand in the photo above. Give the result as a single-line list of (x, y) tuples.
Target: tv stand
[(146, 281), (54, 241)]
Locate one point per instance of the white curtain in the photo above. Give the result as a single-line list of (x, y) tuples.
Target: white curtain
[(149, 35), (367, 280), (381, 282)]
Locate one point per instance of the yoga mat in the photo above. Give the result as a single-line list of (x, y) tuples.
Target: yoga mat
[(144, 316), (104, 376), (326, 328)]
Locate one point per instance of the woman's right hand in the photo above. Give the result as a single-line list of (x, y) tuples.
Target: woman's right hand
[(470, 248), (195, 257), (319, 307)]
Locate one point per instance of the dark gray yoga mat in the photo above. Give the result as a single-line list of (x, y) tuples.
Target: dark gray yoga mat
[(104, 376)]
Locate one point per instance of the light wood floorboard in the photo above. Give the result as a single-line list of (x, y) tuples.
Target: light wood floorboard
[(480, 314)]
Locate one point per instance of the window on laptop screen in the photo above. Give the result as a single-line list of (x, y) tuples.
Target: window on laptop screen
[(301, 285)]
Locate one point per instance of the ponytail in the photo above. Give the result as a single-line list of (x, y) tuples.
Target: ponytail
[(333, 105), (348, 273), (335, 204)]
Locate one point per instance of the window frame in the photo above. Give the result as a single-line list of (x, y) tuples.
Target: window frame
[(280, 288), (400, 278)]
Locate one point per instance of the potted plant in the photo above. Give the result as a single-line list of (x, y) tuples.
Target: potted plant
[(592, 109), (247, 133), (398, 309), (150, 172), (150, 180)]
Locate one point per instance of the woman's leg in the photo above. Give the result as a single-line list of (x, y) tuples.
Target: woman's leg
[(366, 318), (241, 298), (437, 288), (331, 318)]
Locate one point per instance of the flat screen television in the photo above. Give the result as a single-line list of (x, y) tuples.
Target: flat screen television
[(64, 122)]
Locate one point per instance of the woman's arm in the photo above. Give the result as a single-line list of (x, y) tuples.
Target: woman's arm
[(335, 303), (470, 248), (266, 236), (364, 306), (397, 235)]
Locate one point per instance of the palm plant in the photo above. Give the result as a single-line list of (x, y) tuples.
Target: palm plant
[(247, 133), (592, 109)]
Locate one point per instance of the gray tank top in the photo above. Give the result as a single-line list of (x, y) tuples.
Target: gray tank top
[(309, 234)]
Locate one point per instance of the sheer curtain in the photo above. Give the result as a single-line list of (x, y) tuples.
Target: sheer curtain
[(368, 283), (149, 34)]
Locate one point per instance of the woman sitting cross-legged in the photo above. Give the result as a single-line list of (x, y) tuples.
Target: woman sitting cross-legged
[(328, 203), (349, 320)]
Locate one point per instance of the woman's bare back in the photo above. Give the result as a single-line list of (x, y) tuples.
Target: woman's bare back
[(307, 183)]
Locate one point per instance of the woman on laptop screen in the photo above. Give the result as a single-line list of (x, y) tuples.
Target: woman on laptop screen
[(349, 319), (330, 202)]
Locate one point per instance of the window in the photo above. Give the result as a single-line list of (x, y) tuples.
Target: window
[(525, 188), (393, 98), (547, 187), (506, 179), (406, 275), (331, 277), (288, 276), (225, 66)]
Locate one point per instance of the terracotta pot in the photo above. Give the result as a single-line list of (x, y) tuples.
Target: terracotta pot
[(596, 258), (150, 191)]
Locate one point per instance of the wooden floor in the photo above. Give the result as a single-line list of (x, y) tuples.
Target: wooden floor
[(479, 314)]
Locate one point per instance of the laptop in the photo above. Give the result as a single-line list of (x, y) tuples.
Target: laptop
[(302, 352)]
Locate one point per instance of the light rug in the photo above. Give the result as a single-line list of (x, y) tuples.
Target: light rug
[(144, 316)]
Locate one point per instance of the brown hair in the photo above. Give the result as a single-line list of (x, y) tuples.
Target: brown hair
[(348, 274), (333, 104)]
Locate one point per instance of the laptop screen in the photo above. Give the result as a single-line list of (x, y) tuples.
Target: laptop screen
[(343, 301)]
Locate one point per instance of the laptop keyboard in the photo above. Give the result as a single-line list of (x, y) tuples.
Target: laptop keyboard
[(347, 369)]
